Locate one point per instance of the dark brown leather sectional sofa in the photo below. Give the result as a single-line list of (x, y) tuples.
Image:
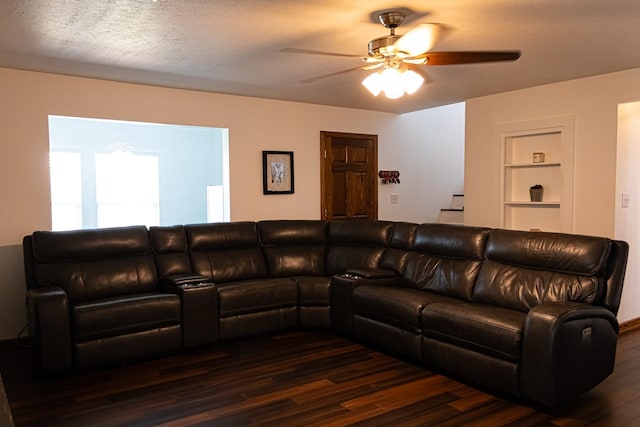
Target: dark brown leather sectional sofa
[(527, 313)]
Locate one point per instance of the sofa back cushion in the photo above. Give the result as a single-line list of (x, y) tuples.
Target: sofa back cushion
[(295, 247), (226, 252), (356, 244), (446, 259), (524, 269), (403, 236), (99, 263), (170, 250)]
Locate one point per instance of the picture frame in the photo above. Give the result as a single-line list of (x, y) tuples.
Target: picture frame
[(538, 157), (277, 172)]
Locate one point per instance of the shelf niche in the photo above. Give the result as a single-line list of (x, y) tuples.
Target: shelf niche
[(518, 141)]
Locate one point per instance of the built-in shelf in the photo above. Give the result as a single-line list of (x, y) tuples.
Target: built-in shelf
[(520, 143), (531, 165), (527, 203)]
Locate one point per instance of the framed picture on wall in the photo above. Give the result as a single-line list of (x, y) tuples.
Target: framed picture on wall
[(277, 172)]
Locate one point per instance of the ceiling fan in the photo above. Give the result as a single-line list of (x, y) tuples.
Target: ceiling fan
[(399, 55)]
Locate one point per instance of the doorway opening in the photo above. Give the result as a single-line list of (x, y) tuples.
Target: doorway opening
[(627, 201)]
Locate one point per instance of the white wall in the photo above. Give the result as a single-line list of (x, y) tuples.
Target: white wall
[(594, 103), (254, 125), (428, 152)]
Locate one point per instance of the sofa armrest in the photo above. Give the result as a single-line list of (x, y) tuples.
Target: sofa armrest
[(172, 281), (342, 286), (567, 348), (372, 273), (49, 327), (199, 298), (374, 276)]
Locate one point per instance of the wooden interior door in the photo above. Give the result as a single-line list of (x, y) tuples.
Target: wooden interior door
[(349, 182)]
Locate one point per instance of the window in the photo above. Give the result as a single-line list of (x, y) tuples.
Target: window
[(108, 173)]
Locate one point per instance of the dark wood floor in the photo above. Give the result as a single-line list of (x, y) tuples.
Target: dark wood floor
[(304, 378)]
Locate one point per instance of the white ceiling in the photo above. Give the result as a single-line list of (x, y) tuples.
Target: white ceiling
[(234, 46)]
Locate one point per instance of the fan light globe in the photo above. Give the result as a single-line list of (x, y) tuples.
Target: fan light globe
[(393, 82), (373, 83), (412, 81)]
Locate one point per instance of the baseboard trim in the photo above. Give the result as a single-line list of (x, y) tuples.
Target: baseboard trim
[(630, 325)]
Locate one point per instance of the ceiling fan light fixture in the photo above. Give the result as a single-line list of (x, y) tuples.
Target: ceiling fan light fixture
[(393, 82)]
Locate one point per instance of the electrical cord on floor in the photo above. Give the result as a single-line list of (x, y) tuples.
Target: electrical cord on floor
[(22, 341)]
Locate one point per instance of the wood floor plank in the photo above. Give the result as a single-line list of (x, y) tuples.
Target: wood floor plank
[(399, 395), (469, 401), (596, 408)]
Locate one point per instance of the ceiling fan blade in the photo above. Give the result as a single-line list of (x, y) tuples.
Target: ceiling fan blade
[(419, 39), (324, 76), (317, 52), (452, 58)]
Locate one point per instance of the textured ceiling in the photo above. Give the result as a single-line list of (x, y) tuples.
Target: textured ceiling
[(235, 46)]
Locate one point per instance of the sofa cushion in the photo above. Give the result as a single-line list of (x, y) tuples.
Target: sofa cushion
[(360, 232), (123, 315), (489, 330), (356, 244), (522, 288), (400, 246), (85, 280), (313, 290), (293, 232), (230, 265), (524, 269), (237, 298), (341, 259), (59, 246), (221, 235), (226, 252), (284, 261), (451, 241), (446, 259), (294, 247), (259, 322), (445, 276), (398, 306), (563, 253), (170, 249), (98, 263)]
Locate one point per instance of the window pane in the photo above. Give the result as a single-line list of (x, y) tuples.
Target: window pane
[(127, 189), (66, 190)]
